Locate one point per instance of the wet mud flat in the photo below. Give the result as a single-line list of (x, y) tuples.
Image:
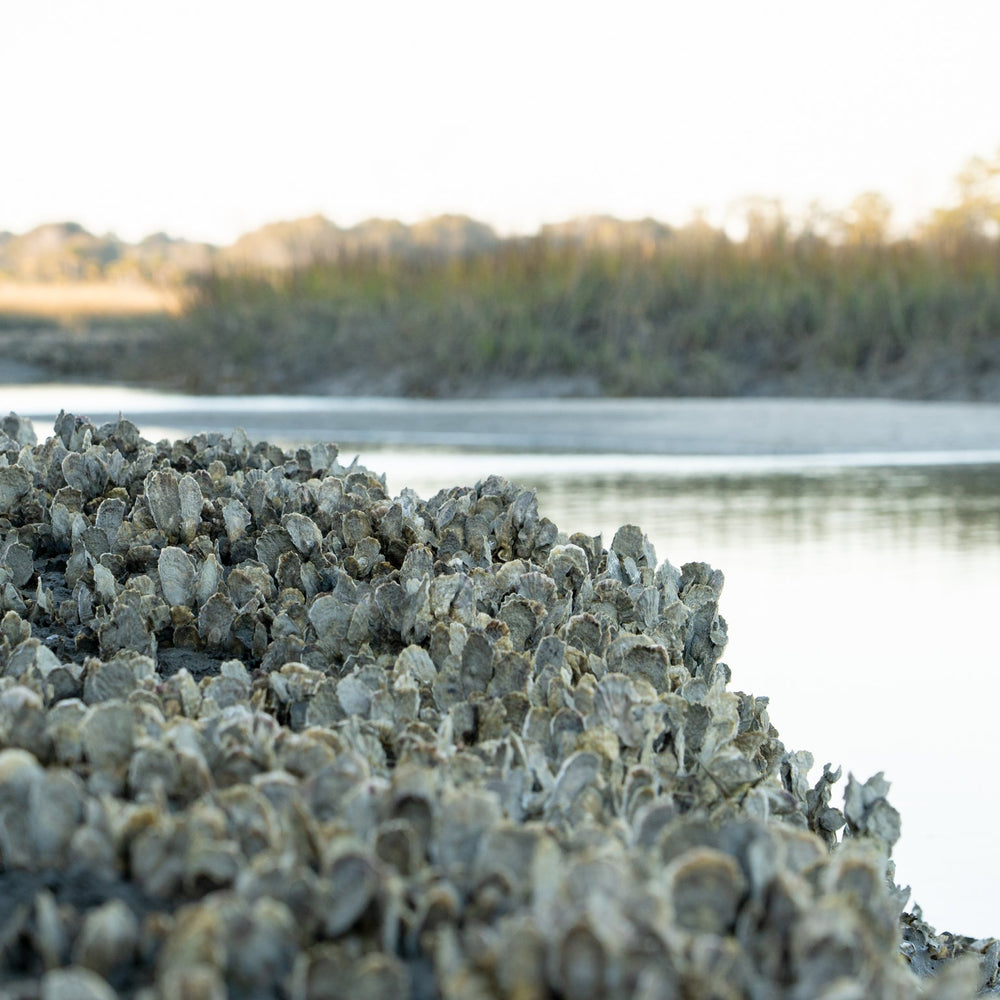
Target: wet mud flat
[(266, 731)]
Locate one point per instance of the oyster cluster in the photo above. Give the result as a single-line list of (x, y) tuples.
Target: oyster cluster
[(266, 731)]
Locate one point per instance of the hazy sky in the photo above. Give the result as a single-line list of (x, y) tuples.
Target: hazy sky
[(206, 118)]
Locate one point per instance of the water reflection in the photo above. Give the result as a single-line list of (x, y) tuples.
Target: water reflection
[(956, 507)]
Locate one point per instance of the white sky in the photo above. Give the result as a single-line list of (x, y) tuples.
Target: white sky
[(207, 118)]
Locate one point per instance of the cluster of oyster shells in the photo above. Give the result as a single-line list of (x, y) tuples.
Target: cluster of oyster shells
[(266, 731)]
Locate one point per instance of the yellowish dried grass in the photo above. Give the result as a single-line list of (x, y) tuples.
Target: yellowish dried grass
[(85, 298)]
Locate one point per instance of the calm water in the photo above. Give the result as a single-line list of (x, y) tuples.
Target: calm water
[(861, 594)]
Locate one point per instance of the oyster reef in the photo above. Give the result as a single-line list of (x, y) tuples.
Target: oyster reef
[(266, 731)]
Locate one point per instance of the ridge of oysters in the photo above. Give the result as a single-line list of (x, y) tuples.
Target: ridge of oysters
[(266, 731)]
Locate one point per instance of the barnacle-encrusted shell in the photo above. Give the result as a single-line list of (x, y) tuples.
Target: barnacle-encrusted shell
[(266, 731)]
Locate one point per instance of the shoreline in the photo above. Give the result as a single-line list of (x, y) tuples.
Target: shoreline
[(723, 427)]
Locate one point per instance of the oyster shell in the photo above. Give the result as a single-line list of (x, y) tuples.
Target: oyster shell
[(178, 576), (267, 731)]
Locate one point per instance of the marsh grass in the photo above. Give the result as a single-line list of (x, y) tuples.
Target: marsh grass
[(785, 316)]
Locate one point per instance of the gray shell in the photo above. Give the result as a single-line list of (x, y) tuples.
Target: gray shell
[(292, 736)]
